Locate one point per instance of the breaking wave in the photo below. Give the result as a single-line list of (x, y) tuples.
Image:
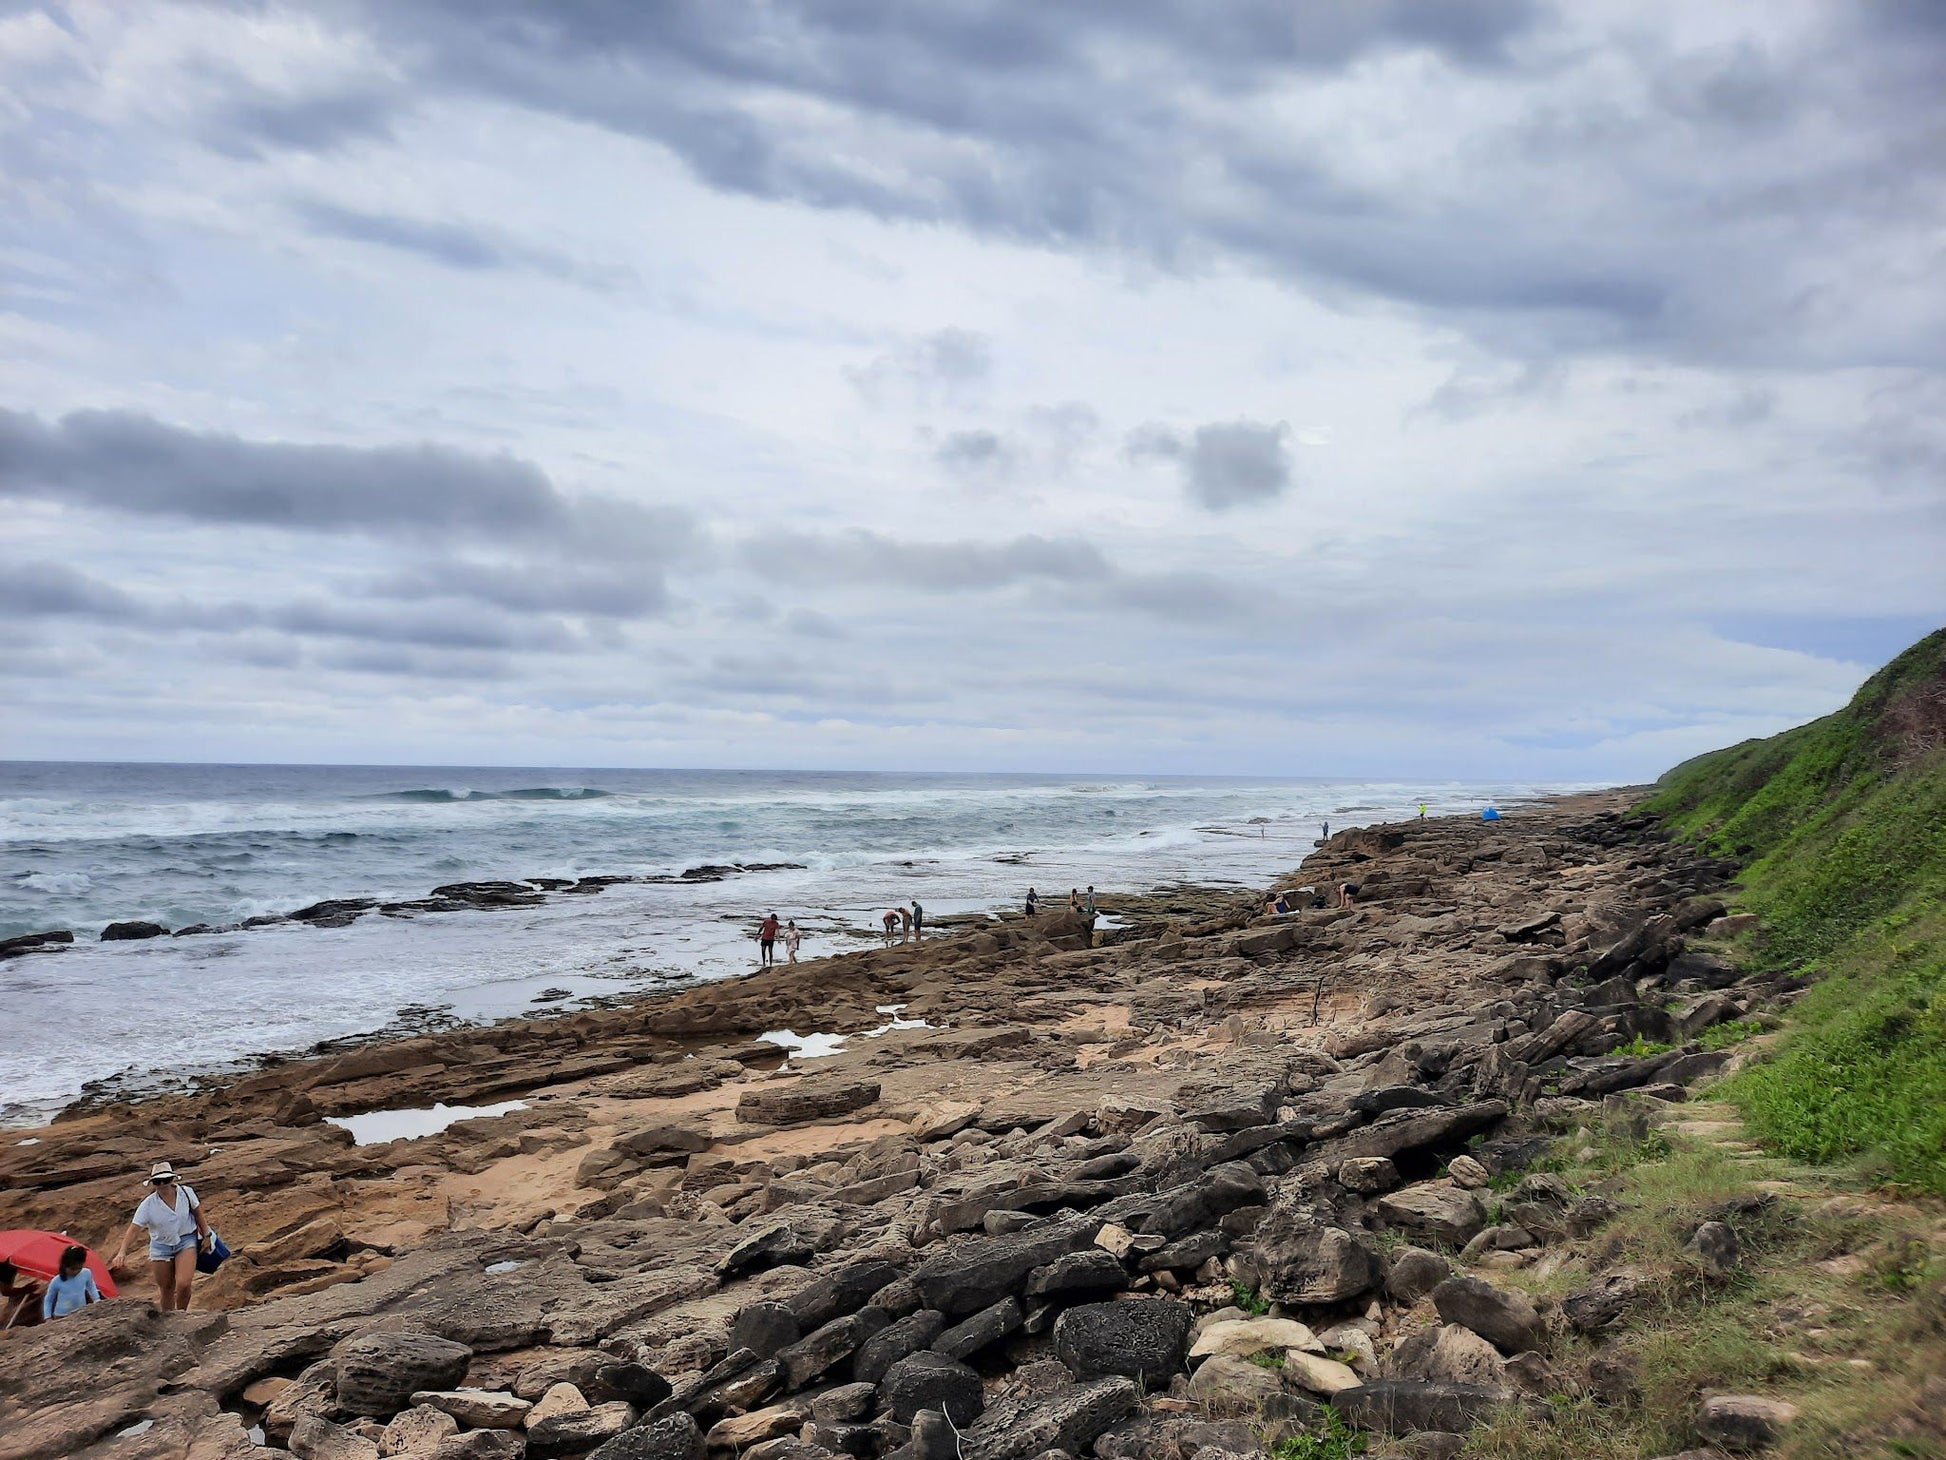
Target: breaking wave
[(433, 796)]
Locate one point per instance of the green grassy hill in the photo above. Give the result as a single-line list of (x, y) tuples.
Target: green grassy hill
[(1841, 825)]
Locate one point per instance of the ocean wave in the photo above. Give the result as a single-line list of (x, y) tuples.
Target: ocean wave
[(62, 884), (433, 796)]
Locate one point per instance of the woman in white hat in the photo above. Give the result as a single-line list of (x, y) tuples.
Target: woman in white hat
[(173, 1220)]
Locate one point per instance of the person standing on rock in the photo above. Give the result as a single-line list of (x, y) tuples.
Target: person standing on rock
[(173, 1219), (918, 922), (1033, 902), (905, 925), (792, 939), (767, 941), (1088, 902), (1422, 810)]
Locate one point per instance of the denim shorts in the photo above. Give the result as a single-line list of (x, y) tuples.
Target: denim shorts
[(164, 1251)]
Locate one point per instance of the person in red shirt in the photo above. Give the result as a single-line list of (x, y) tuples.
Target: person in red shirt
[(767, 939)]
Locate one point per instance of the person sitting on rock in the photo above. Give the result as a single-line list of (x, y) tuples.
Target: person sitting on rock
[(173, 1219), (74, 1289), (1074, 901)]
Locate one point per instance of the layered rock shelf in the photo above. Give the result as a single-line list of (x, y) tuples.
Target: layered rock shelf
[(1176, 1190)]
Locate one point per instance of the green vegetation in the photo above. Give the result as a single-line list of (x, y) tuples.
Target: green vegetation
[(1722, 1036), (1640, 1048), (1248, 1301), (1841, 825), (1824, 1277), (1332, 1440), (1269, 1359)]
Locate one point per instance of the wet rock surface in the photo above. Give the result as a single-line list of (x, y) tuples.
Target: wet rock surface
[(1022, 1229)]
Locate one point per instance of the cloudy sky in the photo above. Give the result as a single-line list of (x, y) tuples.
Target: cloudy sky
[(1419, 387)]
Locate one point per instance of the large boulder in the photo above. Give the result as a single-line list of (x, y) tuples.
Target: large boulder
[(1143, 1338), (1403, 1406), (1228, 1385), (1242, 1337), (1450, 1354), (1414, 1273), (814, 1098), (1292, 1259), (1069, 1418), (674, 1437), (982, 1330), (1744, 1422), (1437, 1210), (1506, 1320), (885, 1348), (379, 1373), (979, 1272), (319, 1439), (823, 1348), (927, 1380)]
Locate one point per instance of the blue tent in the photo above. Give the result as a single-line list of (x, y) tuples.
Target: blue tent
[(1489, 815)]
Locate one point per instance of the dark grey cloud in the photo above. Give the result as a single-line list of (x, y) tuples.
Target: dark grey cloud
[(975, 452), (123, 461), (251, 122), (456, 245), (1225, 464), (860, 557), (1145, 125), (622, 592), (430, 626), (47, 590)]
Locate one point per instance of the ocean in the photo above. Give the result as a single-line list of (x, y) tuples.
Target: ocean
[(83, 845)]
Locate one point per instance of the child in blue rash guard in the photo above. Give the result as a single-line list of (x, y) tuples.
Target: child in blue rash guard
[(74, 1289)]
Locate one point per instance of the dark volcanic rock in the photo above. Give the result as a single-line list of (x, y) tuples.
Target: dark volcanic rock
[(1402, 1406), (978, 1273), (988, 1326), (1144, 1338), (1506, 1320), (834, 1294), (379, 1373), (1292, 1259), (1089, 1270), (124, 932), (1067, 1419), (885, 1348), (674, 1437), (764, 1327), (927, 1380), (28, 942), (822, 1348)]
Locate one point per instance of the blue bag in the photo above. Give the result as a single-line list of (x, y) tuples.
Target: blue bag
[(209, 1259)]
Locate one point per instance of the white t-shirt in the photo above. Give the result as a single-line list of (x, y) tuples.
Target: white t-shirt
[(167, 1223)]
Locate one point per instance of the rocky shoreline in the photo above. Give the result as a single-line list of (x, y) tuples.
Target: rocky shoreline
[(1189, 1187), (342, 912)]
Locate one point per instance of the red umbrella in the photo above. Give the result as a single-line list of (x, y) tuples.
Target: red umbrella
[(39, 1253)]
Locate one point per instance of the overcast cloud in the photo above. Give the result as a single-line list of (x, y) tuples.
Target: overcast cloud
[(1421, 387)]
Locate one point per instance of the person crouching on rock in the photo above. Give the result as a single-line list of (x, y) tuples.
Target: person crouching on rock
[(74, 1289), (891, 925), (1347, 893), (20, 1298), (173, 1219)]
